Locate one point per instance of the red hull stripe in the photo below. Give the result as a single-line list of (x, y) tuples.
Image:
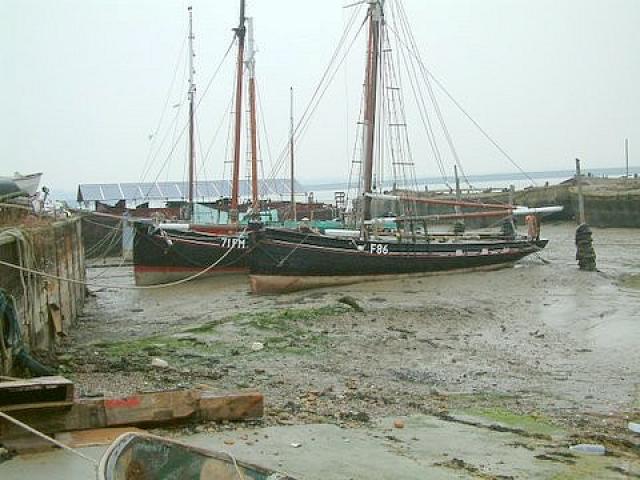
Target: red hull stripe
[(149, 269)]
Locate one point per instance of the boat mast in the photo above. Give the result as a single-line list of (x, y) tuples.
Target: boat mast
[(192, 92), (251, 70), (235, 180), (626, 157), (293, 188), (371, 82), (458, 191)]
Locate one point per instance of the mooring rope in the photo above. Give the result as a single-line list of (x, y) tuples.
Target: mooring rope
[(37, 433), (122, 287)]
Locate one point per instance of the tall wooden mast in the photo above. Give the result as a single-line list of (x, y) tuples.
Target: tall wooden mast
[(294, 214), (235, 180), (192, 92), (253, 124), (371, 86)]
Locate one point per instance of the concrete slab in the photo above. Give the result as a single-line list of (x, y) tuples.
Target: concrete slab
[(426, 447)]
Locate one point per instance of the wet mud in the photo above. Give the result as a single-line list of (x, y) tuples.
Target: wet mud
[(541, 348)]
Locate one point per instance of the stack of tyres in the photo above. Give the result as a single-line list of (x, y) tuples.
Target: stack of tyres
[(458, 227), (585, 254)]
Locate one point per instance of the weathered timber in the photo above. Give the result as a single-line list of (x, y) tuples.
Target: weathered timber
[(145, 409), (160, 407), (91, 438), (41, 392), (240, 405)]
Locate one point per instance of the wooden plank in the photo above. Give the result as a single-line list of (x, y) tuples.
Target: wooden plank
[(230, 406), (32, 406), (83, 414), (95, 437), (150, 408), (35, 390), (143, 409)]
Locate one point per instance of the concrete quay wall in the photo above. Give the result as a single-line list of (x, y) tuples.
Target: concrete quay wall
[(604, 207)]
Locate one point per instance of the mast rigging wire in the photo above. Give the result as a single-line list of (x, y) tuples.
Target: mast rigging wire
[(155, 132), (318, 92), (430, 74), (184, 128), (404, 23)]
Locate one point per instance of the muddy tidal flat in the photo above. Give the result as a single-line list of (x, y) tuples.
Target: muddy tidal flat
[(542, 349)]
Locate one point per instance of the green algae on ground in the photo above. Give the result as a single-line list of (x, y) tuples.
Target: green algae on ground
[(142, 345), (529, 423), (204, 328), (161, 346), (600, 467), (631, 281), (283, 319), (277, 319), (289, 327)]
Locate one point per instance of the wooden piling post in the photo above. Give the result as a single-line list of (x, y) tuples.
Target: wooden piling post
[(581, 217)]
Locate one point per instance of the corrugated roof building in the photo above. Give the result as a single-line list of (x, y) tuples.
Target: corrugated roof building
[(156, 192)]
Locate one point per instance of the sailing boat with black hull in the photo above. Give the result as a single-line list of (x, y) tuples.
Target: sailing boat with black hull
[(169, 252), (286, 260)]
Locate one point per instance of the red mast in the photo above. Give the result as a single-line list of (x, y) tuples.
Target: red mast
[(192, 92), (235, 180), (251, 69), (371, 86)]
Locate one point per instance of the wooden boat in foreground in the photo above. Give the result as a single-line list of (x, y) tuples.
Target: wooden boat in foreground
[(140, 456)]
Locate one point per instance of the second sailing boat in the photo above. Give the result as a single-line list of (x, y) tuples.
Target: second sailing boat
[(285, 260), (168, 252)]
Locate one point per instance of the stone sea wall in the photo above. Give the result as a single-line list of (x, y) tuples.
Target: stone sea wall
[(46, 307)]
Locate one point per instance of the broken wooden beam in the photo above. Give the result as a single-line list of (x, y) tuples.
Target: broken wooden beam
[(35, 393), (151, 408), (145, 409), (215, 406)]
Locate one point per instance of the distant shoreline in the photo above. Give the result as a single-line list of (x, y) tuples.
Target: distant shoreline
[(499, 179), (489, 177)]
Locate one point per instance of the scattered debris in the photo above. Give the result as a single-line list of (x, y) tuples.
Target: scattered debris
[(257, 346), (623, 471), (459, 464), (588, 449), (556, 457), (94, 437), (352, 302), (155, 408), (398, 423), (159, 363)]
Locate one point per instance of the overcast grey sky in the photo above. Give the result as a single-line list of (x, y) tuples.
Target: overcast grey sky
[(83, 83)]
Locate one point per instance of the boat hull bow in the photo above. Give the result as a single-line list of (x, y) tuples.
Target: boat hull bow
[(288, 260), (166, 255)]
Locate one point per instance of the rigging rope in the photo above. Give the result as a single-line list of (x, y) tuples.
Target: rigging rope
[(184, 128), (426, 72), (49, 439), (121, 287), (323, 84), (404, 23), (155, 132)]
